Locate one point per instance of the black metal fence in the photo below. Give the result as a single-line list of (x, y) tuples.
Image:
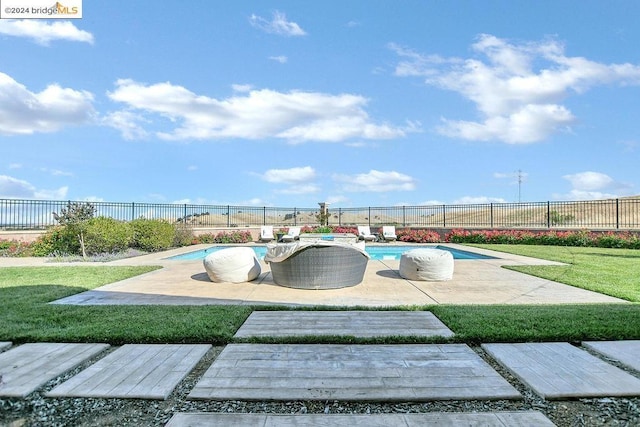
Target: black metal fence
[(621, 213)]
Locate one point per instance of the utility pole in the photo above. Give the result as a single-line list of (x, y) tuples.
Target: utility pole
[(519, 184)]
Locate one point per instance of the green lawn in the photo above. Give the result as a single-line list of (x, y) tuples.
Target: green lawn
[(26, 316)]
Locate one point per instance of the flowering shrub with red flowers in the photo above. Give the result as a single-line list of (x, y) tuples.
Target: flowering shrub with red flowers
[(625, 240), (324, 229), (15, 248), (418, 236)]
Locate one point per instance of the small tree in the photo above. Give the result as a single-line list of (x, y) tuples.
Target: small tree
[(75, 218)]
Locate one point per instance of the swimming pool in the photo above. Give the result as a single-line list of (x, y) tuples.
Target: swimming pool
[(391, 252)]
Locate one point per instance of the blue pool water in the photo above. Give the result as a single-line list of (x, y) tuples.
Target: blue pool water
[(391, 252)]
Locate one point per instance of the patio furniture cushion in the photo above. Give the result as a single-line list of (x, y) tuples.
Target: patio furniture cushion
[(233, 265), (426, 264)]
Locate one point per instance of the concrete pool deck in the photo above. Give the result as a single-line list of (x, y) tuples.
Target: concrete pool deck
[(474, 282)]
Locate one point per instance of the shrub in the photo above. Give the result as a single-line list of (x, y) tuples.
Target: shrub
[(59, 240), (15, 248), (183, 236), (625, 240), (107, 235), (418, 236), (351, 230), (152, 235)]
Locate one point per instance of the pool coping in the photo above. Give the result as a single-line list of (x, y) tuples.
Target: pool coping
[(409, 246)]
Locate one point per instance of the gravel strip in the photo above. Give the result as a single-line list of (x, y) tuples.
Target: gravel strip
[(37, 410)]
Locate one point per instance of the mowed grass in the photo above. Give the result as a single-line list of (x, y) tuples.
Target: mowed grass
[(26, 315)]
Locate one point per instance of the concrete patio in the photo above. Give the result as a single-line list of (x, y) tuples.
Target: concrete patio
[(482, 281)]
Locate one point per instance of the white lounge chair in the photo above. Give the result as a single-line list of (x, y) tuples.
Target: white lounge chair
[(266, 233), (389, 233), (292, 234), (364, 233)]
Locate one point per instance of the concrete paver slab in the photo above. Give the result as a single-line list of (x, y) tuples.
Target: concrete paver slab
[(560, 370), (351, 373), (351, 323), (144, 371), (27, 367), (625, 352), (443, 419), (4, 345)]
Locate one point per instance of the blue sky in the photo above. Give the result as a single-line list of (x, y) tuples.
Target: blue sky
[(290, 103)]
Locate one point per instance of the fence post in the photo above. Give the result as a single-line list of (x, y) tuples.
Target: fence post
[(404, 217), (617, 214), (228, 216), (264, 215), (548, 214), (444, 216), (369, 216), (340, 217), (133, 211), (491, 214)]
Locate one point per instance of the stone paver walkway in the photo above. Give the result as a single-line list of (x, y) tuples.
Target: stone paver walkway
[(625, 352), (351, 373), (144, 371), (560, 370), (441, 419), (25, 368), (4, 345), (349, 323)]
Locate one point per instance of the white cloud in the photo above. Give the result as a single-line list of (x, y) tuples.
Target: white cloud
[(15, 166), (294, 116), (278, 25), (43, 32), (589, 181), (516, 88), (56, 172), (300, 189), (593, 186), (92, 199), (241, 88), (474, 200), (256, 201), (26, 112), (13, 188), (376, 181), (280, 58), (290, 176), (299, 180), (191, 168), (128, 123), (336, 199)]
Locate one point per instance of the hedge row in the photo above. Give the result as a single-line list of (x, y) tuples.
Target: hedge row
[(623, 240)]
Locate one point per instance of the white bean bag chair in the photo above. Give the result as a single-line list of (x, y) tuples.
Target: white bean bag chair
[(233, 265), (426, 264)]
